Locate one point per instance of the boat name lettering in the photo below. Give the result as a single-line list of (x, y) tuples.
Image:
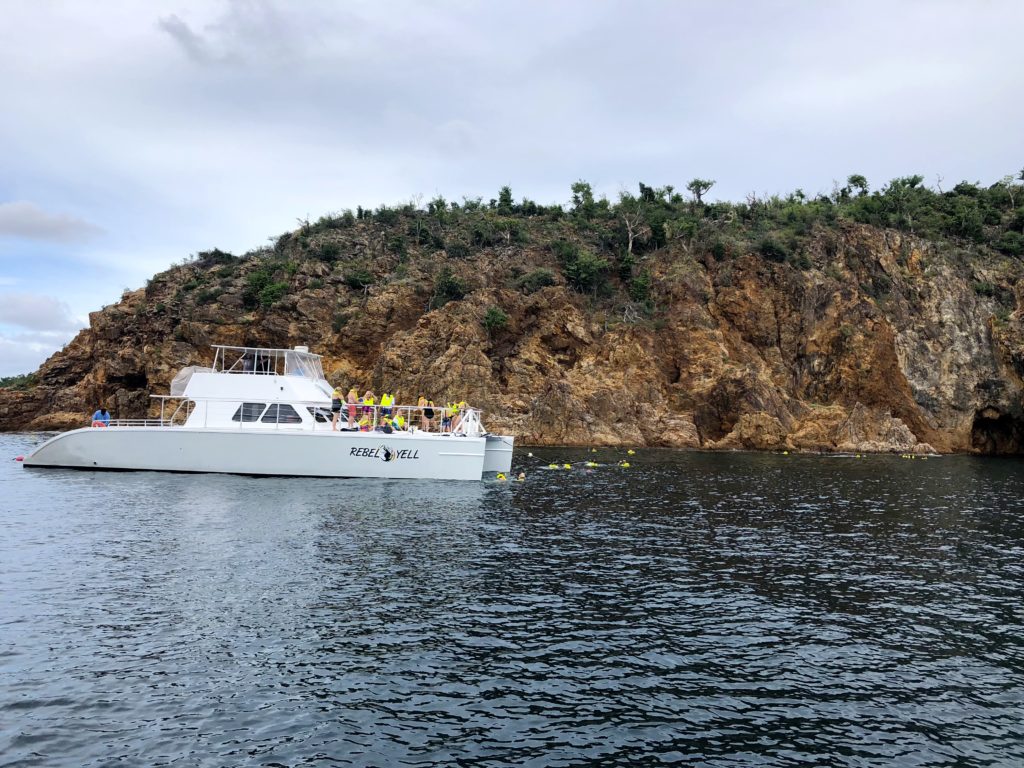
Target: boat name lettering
[(384, 453)]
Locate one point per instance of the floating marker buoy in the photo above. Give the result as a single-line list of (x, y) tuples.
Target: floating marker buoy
[(552, 466), (19, 458), (785, 453), (593, 450), (623, 463), (567, 466), (501, 476), (530, 455), (591, 463), (630, 451)]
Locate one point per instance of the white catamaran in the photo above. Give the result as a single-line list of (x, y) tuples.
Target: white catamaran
[(268, 412)]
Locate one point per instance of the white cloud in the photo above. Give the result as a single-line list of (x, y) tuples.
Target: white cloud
[(206, 123), (24, 353), (34, 312), (24, 219)]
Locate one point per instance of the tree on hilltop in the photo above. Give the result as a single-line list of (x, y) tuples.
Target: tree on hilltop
[(699, 187)]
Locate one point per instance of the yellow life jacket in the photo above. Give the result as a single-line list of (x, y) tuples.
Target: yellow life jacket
[(368, 401), (386, 399), (399, 421)]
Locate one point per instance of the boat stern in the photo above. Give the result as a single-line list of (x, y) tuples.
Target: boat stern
[(498, 453)]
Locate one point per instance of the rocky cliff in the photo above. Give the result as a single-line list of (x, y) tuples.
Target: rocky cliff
[(873, 340)]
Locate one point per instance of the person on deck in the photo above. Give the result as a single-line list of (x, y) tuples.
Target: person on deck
[(353, 402), (386, 402), (369, 401), (424, 405), (101, 416), (335, 408)]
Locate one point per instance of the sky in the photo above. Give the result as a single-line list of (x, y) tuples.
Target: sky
[(135, 134)]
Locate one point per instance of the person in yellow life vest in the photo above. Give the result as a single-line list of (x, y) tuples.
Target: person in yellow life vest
[(369, 400), (398, 422), (386, 401), (387, 425), (446, 418), (364, 424), (459, 409)]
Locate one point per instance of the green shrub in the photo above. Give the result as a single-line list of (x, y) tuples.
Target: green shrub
[(358, 278), (457, 250), (315, 283), (21, 381), (535, 280), (447, 287), (214, 257), (339, 322), (396, 244), (272, 293), (256, 282), (640, 287), (1010, 243), (329, 252), (772, 250), (984, 288), (801, 260), (208, 295), (494, 320), (587, 272)]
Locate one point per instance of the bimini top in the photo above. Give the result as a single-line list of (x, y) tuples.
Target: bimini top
[(262, 361)]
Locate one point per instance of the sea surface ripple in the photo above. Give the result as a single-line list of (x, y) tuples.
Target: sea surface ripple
[(713, 610)]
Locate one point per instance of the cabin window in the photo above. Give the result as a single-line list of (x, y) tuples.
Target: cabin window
[(249, 412), (281, 414), (323, 415)]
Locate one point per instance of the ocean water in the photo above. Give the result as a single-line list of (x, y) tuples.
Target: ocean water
[(712, 610)]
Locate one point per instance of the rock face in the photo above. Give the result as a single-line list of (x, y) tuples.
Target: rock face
[(882, 343)]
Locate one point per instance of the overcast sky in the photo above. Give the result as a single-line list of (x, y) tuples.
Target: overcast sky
[(136, 133)]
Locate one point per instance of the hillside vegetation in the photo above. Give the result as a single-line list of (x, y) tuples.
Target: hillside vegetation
[(861, 319)]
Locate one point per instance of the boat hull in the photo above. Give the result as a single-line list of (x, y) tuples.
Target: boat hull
[(272, 452)]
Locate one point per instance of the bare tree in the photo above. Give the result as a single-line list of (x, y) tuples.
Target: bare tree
[(634, 221)]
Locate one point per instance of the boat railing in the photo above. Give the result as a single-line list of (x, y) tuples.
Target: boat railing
[(267, 362), (366, 418), (142, 423)]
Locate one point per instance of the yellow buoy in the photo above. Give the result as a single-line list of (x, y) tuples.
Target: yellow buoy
[(593, 450), (623, 463), (501, 476), (785, 453), (591, 463), (630, 451), (567, 466), (552, 466)]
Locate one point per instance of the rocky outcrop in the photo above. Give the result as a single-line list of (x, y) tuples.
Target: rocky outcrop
[(881, 343)]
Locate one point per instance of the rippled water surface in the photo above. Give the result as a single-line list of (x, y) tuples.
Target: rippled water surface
[(703, 609)]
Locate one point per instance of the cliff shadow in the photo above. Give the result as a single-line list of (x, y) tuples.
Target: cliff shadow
[(994, 432)]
